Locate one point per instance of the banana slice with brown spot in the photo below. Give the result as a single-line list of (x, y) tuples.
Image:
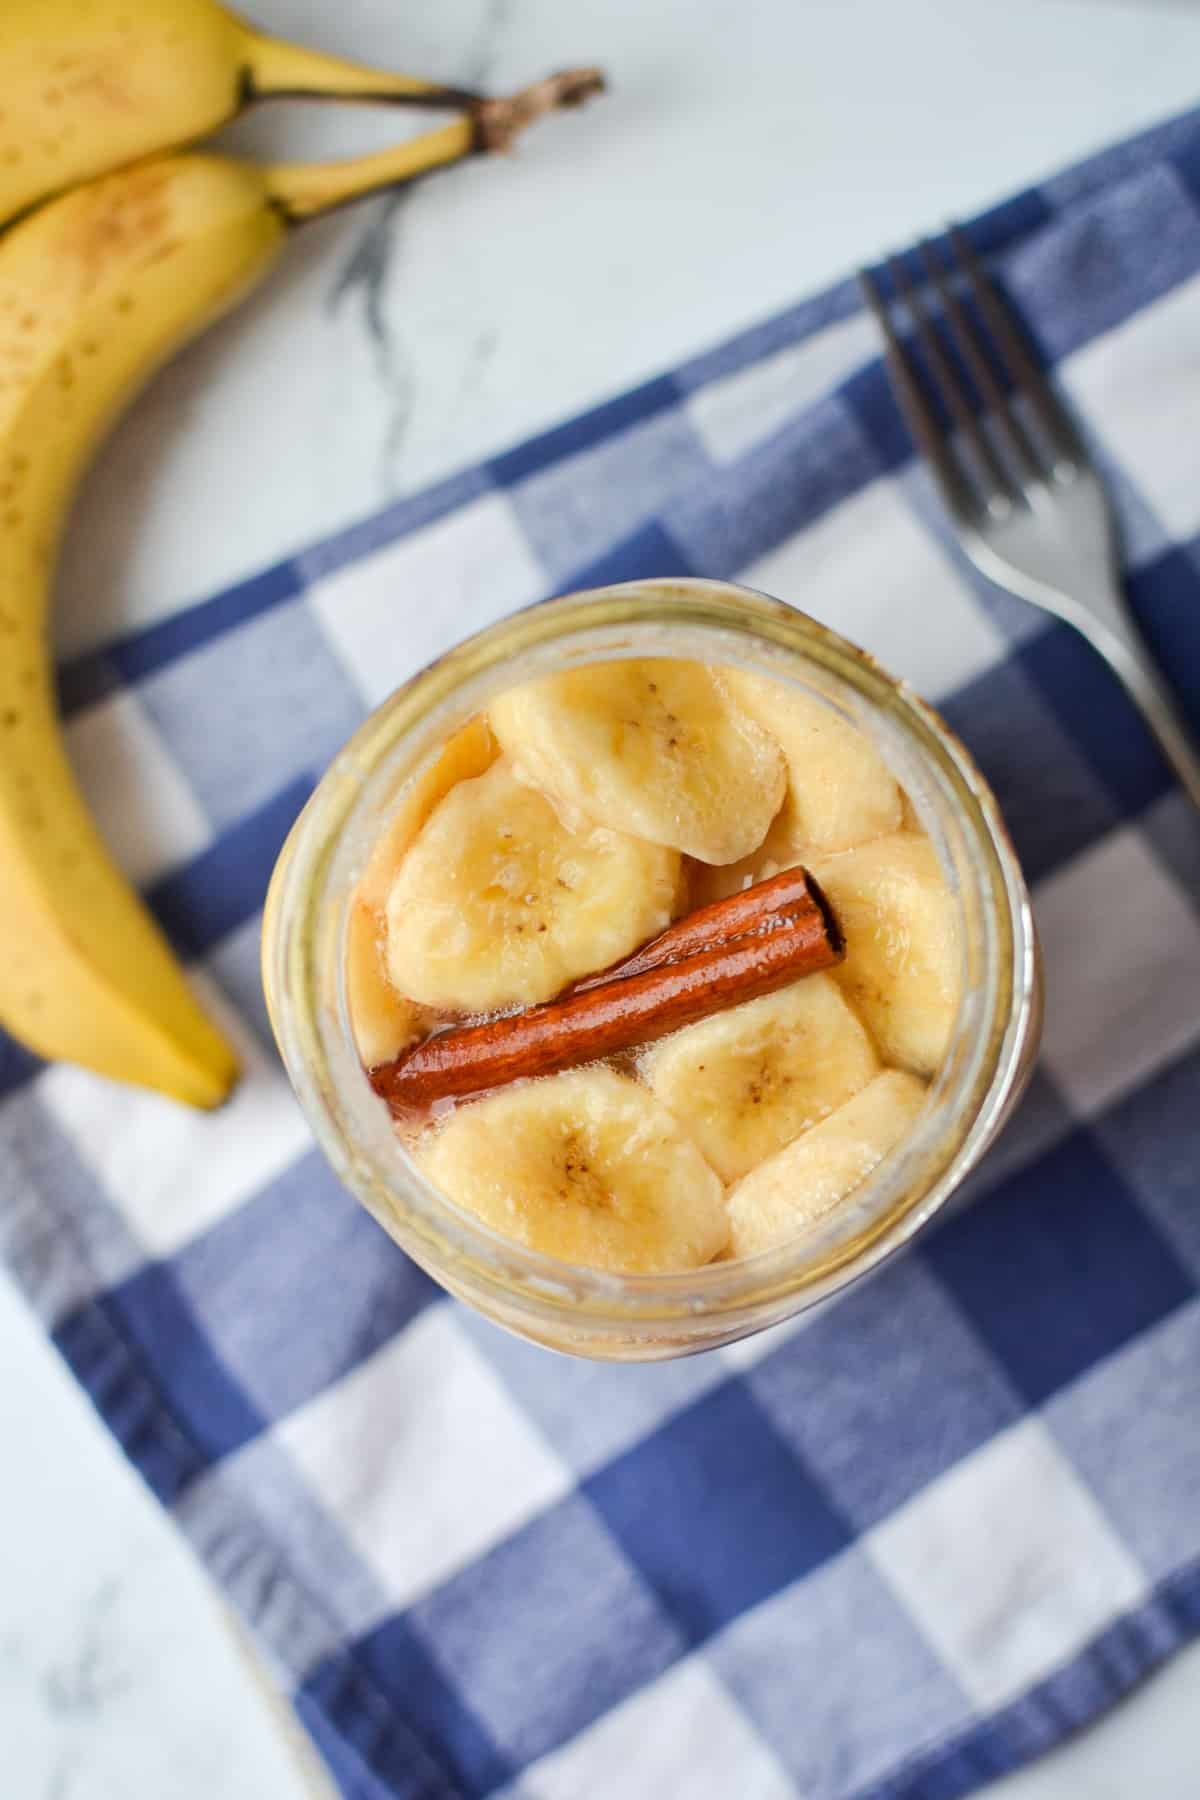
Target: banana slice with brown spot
[(800, 1184), (585, 1166), (747, 1081), (654, 747), (498, 903)]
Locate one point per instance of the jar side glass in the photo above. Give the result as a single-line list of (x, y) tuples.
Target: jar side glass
[(584, 1310)]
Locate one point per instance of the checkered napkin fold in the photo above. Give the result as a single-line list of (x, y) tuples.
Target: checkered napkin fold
[(893, 1551)]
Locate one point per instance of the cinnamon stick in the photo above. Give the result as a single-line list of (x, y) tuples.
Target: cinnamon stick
[(755, 910), (622, 1011)]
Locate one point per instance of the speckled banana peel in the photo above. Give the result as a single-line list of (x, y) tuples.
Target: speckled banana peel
[(98, 288), (88, 86)]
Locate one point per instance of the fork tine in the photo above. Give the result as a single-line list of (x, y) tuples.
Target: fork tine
[(998, 480), (1026, 376), (1013, 434), (922, 422)]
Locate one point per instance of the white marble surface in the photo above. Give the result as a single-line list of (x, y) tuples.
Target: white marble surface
[(746, 154)]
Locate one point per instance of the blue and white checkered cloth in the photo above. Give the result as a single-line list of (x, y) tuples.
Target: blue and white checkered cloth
[(893, 1550)]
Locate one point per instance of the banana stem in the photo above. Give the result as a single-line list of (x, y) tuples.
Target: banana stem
[(304, 190), (273, 68), (500, 122)]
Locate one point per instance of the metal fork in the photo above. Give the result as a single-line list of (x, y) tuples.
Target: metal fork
[(1028, 507)]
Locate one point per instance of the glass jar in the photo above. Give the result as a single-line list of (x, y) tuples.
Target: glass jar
[(647, 1317)]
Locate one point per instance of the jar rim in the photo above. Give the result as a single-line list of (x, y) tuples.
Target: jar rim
[(304, 927)]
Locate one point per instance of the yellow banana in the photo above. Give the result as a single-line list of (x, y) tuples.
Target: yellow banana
[(89, 85), (97, 288)]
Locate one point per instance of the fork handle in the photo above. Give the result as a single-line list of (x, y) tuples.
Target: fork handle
[(1131, 663)]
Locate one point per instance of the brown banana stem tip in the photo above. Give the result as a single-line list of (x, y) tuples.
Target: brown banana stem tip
[(500, 122)]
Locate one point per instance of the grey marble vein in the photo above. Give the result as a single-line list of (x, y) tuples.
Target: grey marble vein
[(362, 282), (74, 1687), (363, 277), (79, 1684), (477, 356)]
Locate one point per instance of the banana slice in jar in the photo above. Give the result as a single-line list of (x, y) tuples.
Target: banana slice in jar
[(902, 972), (777, 852), (840, 790), (804, 1181), (498, 903), (585, 1166), (746, 1082), (655, 747), (385, 1021)]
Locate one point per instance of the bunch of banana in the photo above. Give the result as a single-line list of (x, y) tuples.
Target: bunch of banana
[(98, 287), (91, 85)]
